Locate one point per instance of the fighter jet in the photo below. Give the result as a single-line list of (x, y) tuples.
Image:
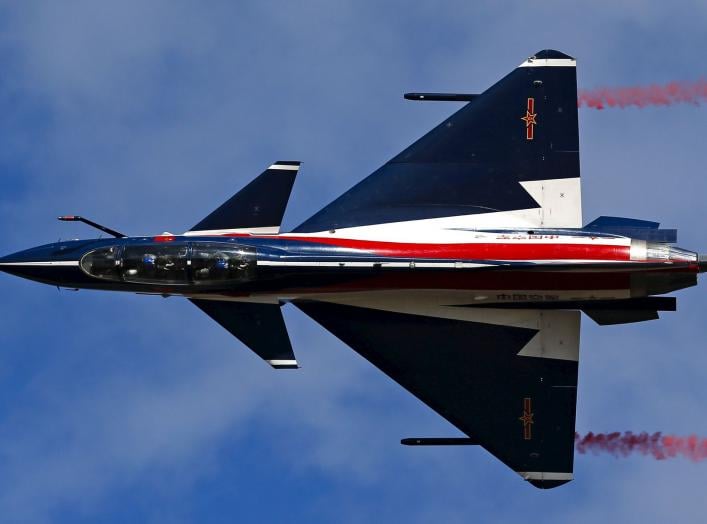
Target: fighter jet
[(460, 268)]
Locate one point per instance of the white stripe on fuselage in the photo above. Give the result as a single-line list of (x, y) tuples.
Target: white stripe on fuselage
[(270, 230), (451, 265), (43, 263), (425, 232), (347, 263), (558, 330), (559, 207)]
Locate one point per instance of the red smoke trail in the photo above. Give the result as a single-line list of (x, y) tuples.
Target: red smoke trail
[(654, 95), (657, 445)]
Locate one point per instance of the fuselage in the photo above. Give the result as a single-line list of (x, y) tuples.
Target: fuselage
[(549, 264)]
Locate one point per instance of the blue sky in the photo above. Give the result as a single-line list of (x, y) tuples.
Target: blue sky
[(147, 115)]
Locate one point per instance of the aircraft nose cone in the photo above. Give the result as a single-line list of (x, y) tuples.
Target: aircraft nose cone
[(20, 256), (4, 261), (46, 264), (6, 268), (34, 263), (9, 263)]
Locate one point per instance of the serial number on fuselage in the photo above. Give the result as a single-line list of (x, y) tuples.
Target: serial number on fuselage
[(527, 237), (527, 297)]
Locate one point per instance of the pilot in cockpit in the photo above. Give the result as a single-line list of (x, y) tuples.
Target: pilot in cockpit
[(221, 262), (149, 263)]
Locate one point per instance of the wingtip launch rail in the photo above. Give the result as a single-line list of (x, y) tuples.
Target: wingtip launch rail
[(440, 97)]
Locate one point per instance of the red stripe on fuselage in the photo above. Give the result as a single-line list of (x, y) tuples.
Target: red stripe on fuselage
[(480, 251)]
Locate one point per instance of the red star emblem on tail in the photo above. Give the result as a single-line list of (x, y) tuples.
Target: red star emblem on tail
[(527, 418), (529, 119)]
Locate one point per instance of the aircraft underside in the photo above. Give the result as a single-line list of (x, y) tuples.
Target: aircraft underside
[(460, 268)]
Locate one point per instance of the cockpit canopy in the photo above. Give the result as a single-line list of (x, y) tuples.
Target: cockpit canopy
[(167, 263)]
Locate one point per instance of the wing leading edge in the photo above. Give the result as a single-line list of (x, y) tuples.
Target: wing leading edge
[(507, 378)]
